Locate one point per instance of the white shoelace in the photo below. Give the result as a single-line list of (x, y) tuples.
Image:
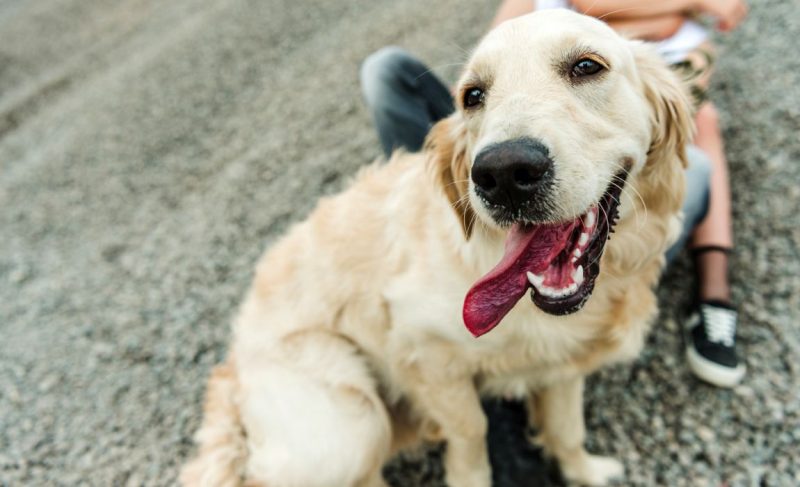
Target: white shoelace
[(720, 324)]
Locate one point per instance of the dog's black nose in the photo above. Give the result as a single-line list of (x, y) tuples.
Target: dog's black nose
[(513, 172)]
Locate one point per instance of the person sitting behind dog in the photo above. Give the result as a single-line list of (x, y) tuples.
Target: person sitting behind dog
[(406, 99)]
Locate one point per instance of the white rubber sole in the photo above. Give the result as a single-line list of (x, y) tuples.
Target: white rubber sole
[(714, 373)]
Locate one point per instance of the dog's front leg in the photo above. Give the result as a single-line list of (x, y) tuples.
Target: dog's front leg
[(455, 407), (558, 416)]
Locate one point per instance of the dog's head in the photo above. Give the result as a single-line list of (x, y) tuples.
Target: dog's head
[(556, 114)]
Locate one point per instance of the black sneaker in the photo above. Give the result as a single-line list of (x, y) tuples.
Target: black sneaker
[(710, 344)]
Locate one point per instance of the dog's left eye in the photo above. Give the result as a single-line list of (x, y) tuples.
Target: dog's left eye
[(586, 67), (474, 97)]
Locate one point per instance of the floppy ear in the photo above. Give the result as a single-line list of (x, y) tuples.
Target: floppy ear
[(449, 165), (672, 127)]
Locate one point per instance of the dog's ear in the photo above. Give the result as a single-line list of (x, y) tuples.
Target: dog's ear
[(448, 162), (672, 128)]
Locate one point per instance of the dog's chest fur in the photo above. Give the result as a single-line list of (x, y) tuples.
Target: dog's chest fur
[(528, 350), (421, 291), (386, 265)]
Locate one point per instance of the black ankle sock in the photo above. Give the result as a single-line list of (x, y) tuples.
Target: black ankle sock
[(711, 267)]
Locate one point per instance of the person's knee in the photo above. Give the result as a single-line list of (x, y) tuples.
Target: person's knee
[(698, 180), (382, 70), (695, 203), (699, 167)]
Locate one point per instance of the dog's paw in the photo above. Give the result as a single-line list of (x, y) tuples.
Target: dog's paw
[(479, 479), (593, 470), (468, 474)]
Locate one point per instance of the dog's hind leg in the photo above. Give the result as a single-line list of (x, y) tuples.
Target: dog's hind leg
[(313, 415), (559, 419), (223, 451)]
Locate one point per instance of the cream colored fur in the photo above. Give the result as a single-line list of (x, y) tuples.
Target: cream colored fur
[(350, 341)]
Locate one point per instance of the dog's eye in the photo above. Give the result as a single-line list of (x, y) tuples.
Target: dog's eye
[(473, 97), (586, 67)]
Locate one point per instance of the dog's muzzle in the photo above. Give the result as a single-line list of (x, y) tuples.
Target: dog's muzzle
[(513, 177)]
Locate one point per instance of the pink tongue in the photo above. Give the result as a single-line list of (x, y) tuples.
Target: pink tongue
[(529, 248)]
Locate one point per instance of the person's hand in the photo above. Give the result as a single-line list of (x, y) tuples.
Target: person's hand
[(729, 13)]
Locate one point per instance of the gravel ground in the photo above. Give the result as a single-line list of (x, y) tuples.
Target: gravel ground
[(150, 150)]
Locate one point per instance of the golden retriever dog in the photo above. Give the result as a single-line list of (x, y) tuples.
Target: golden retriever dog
[(385, 316)]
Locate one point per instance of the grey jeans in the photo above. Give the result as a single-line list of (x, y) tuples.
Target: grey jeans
[(405, 99)]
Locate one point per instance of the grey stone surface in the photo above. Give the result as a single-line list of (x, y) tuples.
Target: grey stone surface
[(149, 151)]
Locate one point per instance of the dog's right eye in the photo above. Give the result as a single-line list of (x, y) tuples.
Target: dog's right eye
[(586, 67), (473, 97)]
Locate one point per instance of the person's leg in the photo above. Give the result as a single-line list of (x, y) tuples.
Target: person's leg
[(711, 330), (713, 237), (404, 98)]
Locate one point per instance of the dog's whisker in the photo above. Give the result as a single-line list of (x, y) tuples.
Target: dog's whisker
[(457, 181), (630, 187), (607, 14), (466, 52), (589, 7), (462, 200), (625, 189), (438, 66), (639, 222), (616, 11), (616, 278), (473, 219), (639, 196)]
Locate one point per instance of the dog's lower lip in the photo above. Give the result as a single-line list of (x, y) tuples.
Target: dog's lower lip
[(589, 249)]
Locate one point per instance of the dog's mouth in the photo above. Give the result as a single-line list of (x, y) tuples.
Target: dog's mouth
[(559, 262)]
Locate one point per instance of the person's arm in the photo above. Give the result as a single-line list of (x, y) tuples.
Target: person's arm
[(729, 13), (626, 9), (510, 9), (649, 28)]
